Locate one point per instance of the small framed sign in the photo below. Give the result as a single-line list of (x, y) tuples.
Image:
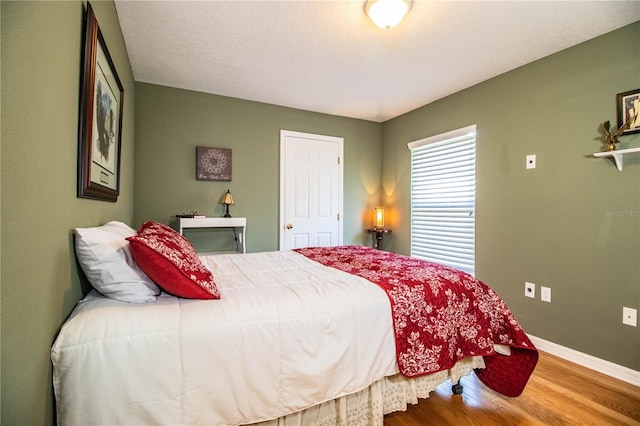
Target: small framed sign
[(213, 163)]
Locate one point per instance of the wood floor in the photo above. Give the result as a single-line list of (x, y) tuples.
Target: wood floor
[(558, 393)]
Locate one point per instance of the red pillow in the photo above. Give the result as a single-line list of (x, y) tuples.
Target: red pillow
[(171, 261)]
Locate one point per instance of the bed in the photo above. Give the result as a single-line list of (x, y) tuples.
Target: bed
[(336, 335)]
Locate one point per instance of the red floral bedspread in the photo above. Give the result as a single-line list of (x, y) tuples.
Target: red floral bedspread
[(440, 316)]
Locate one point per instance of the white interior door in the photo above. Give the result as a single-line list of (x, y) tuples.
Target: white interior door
[(310, 190)]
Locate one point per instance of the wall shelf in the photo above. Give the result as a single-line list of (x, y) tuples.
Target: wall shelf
[(617, 155)]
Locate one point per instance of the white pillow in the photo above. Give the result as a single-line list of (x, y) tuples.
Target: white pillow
[(104, 255)]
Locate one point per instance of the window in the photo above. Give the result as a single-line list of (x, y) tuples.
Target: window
[(443, 198)]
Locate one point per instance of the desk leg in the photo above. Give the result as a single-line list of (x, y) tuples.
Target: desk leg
[(241, 248)]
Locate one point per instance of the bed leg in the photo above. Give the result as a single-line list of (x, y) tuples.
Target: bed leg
[(456, 388)]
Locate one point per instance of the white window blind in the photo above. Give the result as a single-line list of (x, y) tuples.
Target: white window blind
[(443, 198)]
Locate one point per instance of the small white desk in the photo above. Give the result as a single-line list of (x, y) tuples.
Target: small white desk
[(238, 224)]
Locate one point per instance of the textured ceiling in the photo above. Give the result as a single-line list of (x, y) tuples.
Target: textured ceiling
[(327, 56)]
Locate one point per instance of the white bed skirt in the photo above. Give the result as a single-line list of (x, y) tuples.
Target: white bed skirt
[(368, 407)]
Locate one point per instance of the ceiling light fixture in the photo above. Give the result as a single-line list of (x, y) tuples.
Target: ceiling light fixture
[(387, 13)]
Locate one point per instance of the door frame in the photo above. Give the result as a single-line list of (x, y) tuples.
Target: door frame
[(329, 139)]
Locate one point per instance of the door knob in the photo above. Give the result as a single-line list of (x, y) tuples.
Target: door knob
[(289, 226)]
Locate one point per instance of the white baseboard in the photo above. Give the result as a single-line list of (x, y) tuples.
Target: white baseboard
[(600, 365)]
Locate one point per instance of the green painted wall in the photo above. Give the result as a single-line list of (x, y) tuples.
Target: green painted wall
[(171, 122), (558, 225), (550, 225), (41, 62)]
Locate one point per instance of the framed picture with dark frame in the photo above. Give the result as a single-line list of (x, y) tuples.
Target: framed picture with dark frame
[(101, 106), (213, 163), (629, 109)]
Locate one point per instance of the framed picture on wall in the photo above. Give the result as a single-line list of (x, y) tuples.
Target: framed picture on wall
[(629, 109), (213, 163), (101, 106)]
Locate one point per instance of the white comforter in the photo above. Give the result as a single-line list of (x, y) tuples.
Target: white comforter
[(288, 333)]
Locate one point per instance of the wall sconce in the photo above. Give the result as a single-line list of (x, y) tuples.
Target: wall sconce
[(377, 225), (227, 200), (387, 13)]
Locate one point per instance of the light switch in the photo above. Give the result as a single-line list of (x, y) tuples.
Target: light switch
[(531, 161), (630, 316)]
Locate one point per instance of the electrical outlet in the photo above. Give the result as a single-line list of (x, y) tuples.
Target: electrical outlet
[(531, 161), (530, 290), (630, 316), (545, 294)]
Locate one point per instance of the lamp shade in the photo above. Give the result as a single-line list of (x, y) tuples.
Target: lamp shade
[(378, 217), (387, 13), (227, 198)]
